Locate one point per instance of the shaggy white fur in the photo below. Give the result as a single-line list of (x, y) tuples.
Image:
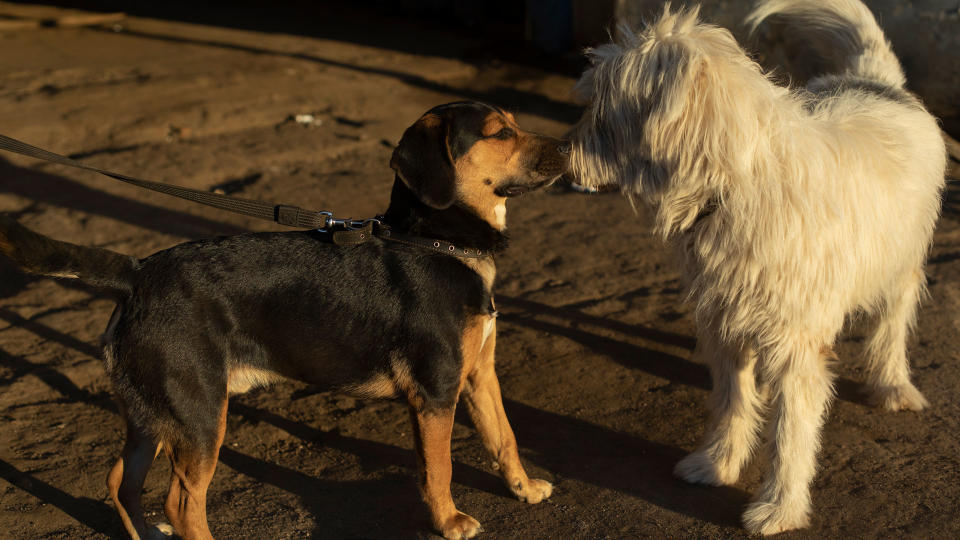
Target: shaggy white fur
[(789, 211)]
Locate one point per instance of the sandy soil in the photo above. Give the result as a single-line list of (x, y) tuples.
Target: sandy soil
[(595, 345)]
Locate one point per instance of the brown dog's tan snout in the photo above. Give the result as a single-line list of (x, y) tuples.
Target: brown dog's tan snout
[(545, 160)]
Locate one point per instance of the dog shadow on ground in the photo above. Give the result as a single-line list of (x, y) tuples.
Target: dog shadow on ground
[(374, 507), (566, 447), (576, 449), (571, 324)]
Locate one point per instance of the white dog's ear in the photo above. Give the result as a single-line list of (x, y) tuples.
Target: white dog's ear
[(703, 119)]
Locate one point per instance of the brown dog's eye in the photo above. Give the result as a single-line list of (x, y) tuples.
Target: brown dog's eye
[(504, 133)]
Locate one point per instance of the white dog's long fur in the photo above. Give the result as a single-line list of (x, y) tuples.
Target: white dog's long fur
[(789, 210)]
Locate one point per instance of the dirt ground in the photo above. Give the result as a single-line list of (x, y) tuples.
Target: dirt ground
[(595, 340)]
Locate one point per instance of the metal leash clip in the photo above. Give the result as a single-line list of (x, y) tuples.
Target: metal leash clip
[(330, 223)]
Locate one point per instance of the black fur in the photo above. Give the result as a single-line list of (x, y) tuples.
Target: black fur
[(836, 84), (104, 269), (292, 303), (295, 304)]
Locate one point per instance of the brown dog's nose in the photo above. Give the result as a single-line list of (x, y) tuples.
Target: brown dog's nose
[(565, 147)]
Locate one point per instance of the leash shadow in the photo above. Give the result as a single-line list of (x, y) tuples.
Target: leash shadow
[(66, 193)]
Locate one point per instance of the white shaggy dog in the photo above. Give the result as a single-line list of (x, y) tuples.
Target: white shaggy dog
[(789, 210)]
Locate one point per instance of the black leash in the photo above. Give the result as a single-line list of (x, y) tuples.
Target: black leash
[(344, 232), (291, 216)]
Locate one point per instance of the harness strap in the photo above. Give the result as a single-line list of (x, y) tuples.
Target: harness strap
[(291, 216)]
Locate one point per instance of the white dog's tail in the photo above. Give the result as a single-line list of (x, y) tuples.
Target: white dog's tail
[(843, 32)]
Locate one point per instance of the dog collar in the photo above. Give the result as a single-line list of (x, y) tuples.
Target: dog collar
[(359, 232)]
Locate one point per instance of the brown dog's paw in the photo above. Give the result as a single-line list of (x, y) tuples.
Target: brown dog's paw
[(532, 491), (460, 526)]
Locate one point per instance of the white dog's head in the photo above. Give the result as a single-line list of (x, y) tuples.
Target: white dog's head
[(673, 113)]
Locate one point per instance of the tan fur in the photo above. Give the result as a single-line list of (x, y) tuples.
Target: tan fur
[(397, 383), (481, 394), (191, 471), (242, 378), (486, 268), (5, 246), (487, 161)]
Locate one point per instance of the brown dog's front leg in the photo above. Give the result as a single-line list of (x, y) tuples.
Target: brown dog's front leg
[(481, 394), (432, 431)]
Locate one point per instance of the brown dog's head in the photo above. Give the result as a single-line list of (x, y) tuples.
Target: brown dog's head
[(475, 155)]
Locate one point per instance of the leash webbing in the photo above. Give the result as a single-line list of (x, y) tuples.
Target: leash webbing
[(291, 216)]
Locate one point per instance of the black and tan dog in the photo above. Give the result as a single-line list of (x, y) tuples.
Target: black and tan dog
[(381, 319)]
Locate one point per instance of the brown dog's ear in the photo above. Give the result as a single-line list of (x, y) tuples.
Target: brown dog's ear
[(423, 162)]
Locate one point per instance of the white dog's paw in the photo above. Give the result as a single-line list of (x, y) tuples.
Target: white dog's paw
[(899, 398), (161, 531), (698, 468), (768, 518), (533, 490)]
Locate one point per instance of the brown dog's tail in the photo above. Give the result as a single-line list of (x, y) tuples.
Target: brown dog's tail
[(104, 269)]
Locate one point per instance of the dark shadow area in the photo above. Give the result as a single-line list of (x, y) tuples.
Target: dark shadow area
[(384, 502), (657, 363), (57, 381), (467, 30), (563, 445), (507, 97), (341, 509), (574, 315), (951, 199), (50, 334), (89, 512), (611, 459), (66, 193), (373, 455)]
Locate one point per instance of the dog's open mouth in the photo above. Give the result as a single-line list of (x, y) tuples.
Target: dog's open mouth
[(515, 190), (512, 191)]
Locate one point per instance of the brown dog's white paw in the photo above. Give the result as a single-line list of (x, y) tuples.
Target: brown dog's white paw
[(532, 491), (899, 398), (697, 468), (767, 518), (460, 526)]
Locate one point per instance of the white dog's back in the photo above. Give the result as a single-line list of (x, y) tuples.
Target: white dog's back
[(877, 216)]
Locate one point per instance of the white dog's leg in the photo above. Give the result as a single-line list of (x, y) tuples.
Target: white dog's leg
[(801, 389), (886, 351), (735, 417)]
